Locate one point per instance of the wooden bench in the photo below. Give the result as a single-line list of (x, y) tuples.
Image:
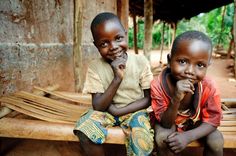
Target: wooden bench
[(44, 130)]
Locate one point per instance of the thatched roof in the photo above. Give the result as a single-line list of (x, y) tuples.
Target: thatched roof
[(175, 10)]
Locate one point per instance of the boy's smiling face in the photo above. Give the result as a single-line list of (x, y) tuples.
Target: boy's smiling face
[(190, 60), (110, 39)]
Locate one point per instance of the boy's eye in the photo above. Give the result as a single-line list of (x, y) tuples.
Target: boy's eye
[(119, 38), (103, 45), (182, 61), (201, 65)]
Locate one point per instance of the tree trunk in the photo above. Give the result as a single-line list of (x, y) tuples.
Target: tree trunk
[(123, 13), (234, 38), (174, 25), (162, 41), (77, 52), (231, 45), (135, 35), (148, 22), (222, 25)]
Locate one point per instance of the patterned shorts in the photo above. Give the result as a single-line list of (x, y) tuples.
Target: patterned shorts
[(139, 142)]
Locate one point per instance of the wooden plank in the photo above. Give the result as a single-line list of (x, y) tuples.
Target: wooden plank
[(36, 129), (227, 129), (229, 117), (229, 112), (228, 123), (228, 100)]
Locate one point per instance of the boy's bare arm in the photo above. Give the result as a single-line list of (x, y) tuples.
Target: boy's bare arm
[(182, 87), (101, 101), (178, 141), (132, 107)]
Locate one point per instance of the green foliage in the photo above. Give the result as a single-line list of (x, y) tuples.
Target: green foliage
[(209, 23), (140, 35)]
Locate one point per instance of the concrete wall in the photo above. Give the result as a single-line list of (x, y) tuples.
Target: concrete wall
[(90, 10), (36, 43)]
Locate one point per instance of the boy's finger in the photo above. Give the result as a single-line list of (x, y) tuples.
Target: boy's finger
[(172, 135)]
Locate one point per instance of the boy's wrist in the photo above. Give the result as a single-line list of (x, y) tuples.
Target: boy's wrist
[(175, 101), (117, 80)]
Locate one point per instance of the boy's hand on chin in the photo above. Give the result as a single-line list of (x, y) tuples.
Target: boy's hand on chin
[(118, 65), (183, 87)]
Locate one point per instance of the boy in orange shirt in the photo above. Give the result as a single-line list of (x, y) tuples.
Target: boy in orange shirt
[(186, 103)]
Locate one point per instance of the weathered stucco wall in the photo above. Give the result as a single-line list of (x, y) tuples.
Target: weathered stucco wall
[(90, 10), (36, 44)]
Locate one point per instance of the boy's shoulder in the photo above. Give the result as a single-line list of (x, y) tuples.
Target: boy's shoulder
[(97, 62), (137, 58), (208, 82)]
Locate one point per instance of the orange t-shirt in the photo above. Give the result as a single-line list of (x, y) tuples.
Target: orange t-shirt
[(206, 103)]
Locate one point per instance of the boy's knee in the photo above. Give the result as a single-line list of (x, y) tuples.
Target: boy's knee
[(160, 137), (215, 141), (161, 134)]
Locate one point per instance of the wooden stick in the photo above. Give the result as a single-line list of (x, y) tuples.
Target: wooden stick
[(50, 88), (35, 115), (80, 98), (224, 107), (4, 111), (48, 101)]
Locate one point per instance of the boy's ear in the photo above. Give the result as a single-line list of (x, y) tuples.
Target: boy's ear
[(168, 60), (95, 44), (209, 63)]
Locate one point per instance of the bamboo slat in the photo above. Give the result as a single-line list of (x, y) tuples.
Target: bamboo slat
[(34, 114), (48, 101), (4, 111), (229, 117), (44, 108), (228, 123), (229, 112), (75, 97), (228, 100), (227, 129)]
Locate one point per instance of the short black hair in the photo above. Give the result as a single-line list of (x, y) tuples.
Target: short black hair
[(191, 35), (102, 17)]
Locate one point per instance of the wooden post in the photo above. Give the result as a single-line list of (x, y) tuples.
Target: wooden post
[(77, 51), (174, 32), (148, 22), (123, 12), (135, 34), (234, 38), (162, 41)]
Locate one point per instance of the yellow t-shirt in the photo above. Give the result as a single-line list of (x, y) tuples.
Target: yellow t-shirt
[(137, 77)]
